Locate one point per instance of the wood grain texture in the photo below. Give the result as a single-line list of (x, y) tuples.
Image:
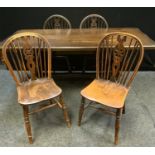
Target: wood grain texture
[(84, 39), (29, 59), (87, 39), (106, 92), (27, 123), (118, 59), (37, 91)]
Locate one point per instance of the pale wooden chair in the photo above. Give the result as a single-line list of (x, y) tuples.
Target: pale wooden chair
[(90, 22), (118, 59), (94, 21), (59, 22), (29, 60)]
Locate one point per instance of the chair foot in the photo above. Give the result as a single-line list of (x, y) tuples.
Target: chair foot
[(66, 117), (81, 111), (68, 122), (117, 125), (27, 123)]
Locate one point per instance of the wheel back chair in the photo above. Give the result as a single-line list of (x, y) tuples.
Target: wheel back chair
[(59, 22), (92, 21), (29, 60), (118, 59)]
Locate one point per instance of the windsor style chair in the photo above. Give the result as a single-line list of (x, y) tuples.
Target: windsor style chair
[(59, 22), (92, 21), (29, 60), (118, 59)]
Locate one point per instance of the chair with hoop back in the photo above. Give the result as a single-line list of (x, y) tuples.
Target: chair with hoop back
[(59, 22), (29, 59), (92, 21), (118, 59)]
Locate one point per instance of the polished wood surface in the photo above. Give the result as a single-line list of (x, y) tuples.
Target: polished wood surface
[(117, 55), (37, 91), (118, 59), (29, 59), (84, 39), (87, 38), (106, 92)]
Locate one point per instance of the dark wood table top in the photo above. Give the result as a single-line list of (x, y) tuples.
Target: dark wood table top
[(84, 39)]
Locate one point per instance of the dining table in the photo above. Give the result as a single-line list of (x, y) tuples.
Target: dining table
[(83, 41)]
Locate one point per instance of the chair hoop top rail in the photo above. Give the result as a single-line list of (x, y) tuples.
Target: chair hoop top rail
[(138, 44), (91, 16), (59, 16)]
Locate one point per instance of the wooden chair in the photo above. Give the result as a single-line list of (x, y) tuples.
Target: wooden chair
[(29, 58), (92, 21), (118, 59), (59, 22)]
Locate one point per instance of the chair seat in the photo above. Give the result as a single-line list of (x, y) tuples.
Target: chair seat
[(106, 92), (38, 90)]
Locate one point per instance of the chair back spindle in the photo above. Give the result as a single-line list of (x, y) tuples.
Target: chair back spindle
[(94, 21), (57, 22), (118, 58), (28, 57)]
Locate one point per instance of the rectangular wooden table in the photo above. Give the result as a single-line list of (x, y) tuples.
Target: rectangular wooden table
[(83, 40)]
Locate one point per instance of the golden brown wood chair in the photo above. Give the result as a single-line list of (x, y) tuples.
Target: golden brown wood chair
[(92, 21), (59, 22), (29, 60), (118, 59)]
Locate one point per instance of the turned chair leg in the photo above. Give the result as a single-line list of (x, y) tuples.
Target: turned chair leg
[(27, 123), (117, 125), (81, 110), (124, 109), (68, 64), (66, 117), (84, 64)]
